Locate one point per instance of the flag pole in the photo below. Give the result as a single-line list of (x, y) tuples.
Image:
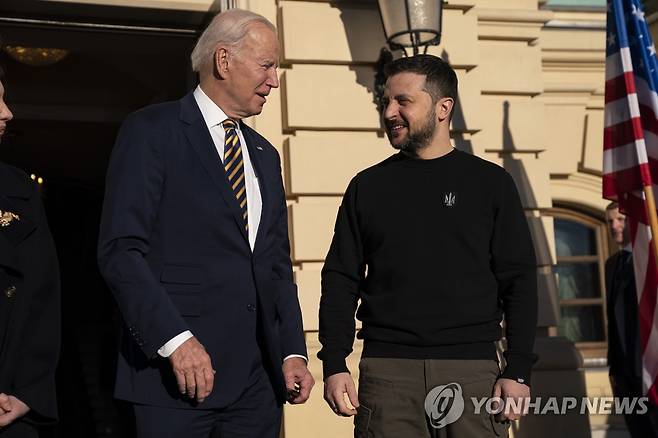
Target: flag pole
[(653, 220)]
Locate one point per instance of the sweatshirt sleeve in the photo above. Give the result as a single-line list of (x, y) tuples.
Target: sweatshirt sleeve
[(515, 267), (343, 272)]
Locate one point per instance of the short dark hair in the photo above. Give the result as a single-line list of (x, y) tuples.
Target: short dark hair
[(612, 206), (440, 78)]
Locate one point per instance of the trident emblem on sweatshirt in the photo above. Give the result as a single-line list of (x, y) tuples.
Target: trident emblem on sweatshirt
[(449, 199)]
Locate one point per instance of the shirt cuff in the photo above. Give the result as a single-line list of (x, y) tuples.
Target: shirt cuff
[(174, 343), (296, 355)]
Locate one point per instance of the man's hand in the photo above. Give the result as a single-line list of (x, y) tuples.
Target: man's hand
[(11, 409), (335, 388), (510, 392), (5, 404), (193, 369), (299, 380)]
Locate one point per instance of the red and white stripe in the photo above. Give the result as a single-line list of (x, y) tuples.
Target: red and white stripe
[(646, 281), (630, 158)]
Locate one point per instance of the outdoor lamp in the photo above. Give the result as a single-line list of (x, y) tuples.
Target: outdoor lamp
[(411, 23)]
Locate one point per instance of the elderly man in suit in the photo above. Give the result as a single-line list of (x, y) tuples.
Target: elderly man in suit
[(624, 351), (29, 304), (194, 246)]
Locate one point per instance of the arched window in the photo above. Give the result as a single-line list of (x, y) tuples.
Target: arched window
[(581, 243)]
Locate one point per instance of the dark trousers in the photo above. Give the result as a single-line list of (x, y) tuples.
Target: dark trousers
[(392, 396), (19, 429), (638, 425), (256, 414)]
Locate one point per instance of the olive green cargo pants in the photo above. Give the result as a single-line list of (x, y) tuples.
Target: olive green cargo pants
[(392, 397)]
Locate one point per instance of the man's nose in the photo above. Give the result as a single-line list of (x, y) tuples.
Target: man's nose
[(5, 112), (273, 80), (390, 111)]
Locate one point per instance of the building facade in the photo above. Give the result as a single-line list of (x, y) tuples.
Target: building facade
[(531, 100)]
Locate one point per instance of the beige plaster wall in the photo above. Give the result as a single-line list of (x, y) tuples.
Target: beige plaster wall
[(530, 100)]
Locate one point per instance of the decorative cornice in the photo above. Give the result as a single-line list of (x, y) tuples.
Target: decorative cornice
[(569, 88), (514, 15), (579, 181), (587, 58), (577, 25)]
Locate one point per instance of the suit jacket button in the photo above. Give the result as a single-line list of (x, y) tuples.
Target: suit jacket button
[(9, 292), (251, 307)]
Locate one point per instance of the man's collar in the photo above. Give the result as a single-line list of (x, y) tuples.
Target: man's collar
[(628, 248), (212, 114)]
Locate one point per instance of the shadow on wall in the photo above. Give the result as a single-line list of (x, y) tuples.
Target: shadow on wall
[(365, 46), (458, 124), (365, 42), (556, 373)]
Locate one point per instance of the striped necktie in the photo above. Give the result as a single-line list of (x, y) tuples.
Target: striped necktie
[(234, 166)]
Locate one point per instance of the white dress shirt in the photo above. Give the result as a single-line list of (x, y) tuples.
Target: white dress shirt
[(214, 116)]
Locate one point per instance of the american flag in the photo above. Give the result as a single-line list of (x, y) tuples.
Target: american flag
[(630, 158)]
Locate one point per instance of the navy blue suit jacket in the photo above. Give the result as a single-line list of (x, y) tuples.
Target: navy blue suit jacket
[(175, 254)]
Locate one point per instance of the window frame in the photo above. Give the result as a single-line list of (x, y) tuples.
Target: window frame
[(604, 248)]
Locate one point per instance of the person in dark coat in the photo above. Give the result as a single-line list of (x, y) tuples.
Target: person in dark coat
[(624, 351), (194, 246), (29, 304)]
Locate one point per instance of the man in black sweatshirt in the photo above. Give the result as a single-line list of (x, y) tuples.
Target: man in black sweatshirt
[(435, 244)]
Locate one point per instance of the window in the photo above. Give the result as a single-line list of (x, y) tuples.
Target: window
[(575, 4), (581, 244)]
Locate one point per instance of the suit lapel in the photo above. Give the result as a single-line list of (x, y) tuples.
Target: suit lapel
[(256, 150), (199, 138)]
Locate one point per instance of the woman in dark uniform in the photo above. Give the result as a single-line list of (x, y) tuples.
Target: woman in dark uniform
[(29, 303)]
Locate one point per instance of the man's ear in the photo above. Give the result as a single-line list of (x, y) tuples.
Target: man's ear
[(221, 62), (444, 107)]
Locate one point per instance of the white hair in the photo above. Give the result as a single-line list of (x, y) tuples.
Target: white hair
[(228, 27)]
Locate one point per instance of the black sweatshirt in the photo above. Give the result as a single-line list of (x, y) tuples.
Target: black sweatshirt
[(447, 251)]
